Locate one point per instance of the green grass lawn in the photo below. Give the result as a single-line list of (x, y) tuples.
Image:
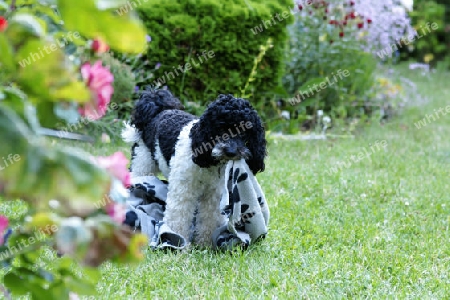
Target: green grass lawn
[(376, 228)]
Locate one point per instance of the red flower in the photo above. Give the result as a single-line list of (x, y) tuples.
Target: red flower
[(332, 22), (3, 24), (360, 25), (300, 7), (344, 23), (369, 21), (352, 15), (341, 34), (99, 46), (352, 3)]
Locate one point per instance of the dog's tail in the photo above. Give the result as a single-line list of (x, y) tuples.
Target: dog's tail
[(130, 134), (150, 104)]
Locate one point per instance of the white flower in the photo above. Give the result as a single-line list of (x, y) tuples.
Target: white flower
[(326, 119), (320, 112), (399, 10), (408, 4), (285, 114)]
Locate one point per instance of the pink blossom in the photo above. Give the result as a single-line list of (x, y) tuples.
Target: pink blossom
[(3, 227), (99, 80), (116, 211), (116, 165)]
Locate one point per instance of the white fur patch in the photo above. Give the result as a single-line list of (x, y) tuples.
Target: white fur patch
[(162, 163), (130, 134), (142, 163)]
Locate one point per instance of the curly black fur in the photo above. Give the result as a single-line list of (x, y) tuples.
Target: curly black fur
[(165, 129), (150, 104), (158, 114), (220, 117)]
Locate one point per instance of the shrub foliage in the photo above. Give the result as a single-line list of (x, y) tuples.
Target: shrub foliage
[(220, 41)]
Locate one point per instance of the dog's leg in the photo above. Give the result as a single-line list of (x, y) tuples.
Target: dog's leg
[(209, 217), (181, 204), (142, 163)]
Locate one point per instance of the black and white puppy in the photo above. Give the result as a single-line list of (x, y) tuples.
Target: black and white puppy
[(192, 153)]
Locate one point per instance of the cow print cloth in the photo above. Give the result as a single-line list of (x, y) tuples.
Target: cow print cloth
[(242, 201)]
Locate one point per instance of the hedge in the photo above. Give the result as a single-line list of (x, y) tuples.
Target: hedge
[(219, 40)]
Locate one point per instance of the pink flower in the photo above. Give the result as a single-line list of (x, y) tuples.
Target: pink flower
[(99, 80), (3, 227), (116, 211), (116, 165)]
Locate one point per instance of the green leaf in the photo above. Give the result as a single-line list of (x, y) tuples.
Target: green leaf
[(15, 284), (45, 74), (124, 34), (12, 98), (108, 4), (7, 60), (46, 115), (93, 274), (59, 291), (49, 12), (80, 286), (74, 90), (23, 27), (23, 2), (3, 7), (310, 83), (50, 174)]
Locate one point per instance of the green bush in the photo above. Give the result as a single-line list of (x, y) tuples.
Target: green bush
[(432, 46), (182, 30), (124, 83)]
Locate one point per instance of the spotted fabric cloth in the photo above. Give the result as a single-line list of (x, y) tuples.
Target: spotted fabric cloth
[(242, 201), (244, 204)]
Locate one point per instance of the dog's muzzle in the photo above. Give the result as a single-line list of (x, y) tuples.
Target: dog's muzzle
[(230, 151)]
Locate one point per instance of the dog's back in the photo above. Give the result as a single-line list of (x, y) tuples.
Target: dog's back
[(163, 131), (150, 104), (156, 123)]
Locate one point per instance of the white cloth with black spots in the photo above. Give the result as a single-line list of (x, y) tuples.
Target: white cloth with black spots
[(242, 201)]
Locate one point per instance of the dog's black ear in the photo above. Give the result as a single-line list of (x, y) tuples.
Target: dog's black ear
[(257, 145), (202, 145)]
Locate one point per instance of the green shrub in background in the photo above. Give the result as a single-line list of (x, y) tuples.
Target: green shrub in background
[(431, 47), (185, 31), (124, 83), (320, 52)]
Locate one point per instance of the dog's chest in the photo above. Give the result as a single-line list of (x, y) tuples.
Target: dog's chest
[(209, 176)]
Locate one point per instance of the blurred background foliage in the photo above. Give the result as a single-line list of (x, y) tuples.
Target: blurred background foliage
[(311, 44)]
